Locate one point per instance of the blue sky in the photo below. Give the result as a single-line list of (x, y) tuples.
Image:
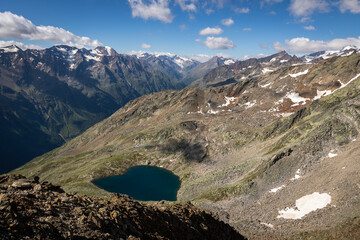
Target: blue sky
[(235, 28)]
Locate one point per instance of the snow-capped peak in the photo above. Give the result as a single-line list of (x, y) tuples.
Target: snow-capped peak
[(180, 61), (103, 51), (345, 51), (229, 61), (11, 48)]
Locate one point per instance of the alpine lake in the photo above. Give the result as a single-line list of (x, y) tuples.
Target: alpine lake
[(143, 183)]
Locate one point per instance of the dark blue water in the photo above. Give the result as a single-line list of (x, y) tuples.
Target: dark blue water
[(143, 183)]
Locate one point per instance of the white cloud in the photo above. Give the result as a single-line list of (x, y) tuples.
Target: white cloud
[(309, 28), (247, 29), (157, 10), (305, 45), (217, 43), (15, 26), (19, 44), (209, 11), (144, 45), (227, 22), (350, 5), (187, 5), (211, 31), (242, 10), (200, 57), (224, 55), (246, 57), (307, 7), (220, 3)]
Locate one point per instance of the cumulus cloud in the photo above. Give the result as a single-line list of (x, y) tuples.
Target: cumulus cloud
[(157, 10), (309, 28), (305, 45), (15, 26), (242, 10), (144, 45), (19, 44), (349, 5), (227, 22), (301, 8), (211, 31), (217, 43), (187, 5)]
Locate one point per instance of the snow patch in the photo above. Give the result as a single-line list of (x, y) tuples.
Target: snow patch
[(296, 98), (284, 115), (229, 61), (265, 85), (95, 58), (299, 73), (199, 111), (332, 154), (61, 49), (250, 104), (283, 61), (228, 101), (269, 225), (347, 54), (108, 49), (305, 205), (274, 190), (266, 70), (212, 112), (297, 175), (321, 94)]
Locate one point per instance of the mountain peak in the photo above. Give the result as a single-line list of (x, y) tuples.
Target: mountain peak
[(104, 50), (11, 48)]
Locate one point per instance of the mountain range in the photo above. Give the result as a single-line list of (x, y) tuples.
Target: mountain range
[(50, 96), (270, 145)]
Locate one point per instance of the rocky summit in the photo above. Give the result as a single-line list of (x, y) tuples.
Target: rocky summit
[(34, 210)]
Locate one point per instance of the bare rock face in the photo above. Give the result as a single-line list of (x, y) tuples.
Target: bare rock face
[(30, 210)]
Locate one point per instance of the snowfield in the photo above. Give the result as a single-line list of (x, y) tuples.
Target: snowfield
[(305, 205)]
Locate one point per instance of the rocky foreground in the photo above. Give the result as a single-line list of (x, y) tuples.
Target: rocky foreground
[(33, 210)]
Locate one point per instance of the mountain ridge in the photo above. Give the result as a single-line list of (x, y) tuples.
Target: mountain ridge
[(60, 91)]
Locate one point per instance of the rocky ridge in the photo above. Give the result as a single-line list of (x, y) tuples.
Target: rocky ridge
[(33, 210)]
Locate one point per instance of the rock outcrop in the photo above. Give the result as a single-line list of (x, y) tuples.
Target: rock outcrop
[(33, 210)]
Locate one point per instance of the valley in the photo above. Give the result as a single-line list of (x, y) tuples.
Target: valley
[(49, 96)]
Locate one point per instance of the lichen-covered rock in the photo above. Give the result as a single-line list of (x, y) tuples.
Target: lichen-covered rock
[(29, 210)]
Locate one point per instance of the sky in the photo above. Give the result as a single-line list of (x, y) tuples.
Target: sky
[(197, 28)]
